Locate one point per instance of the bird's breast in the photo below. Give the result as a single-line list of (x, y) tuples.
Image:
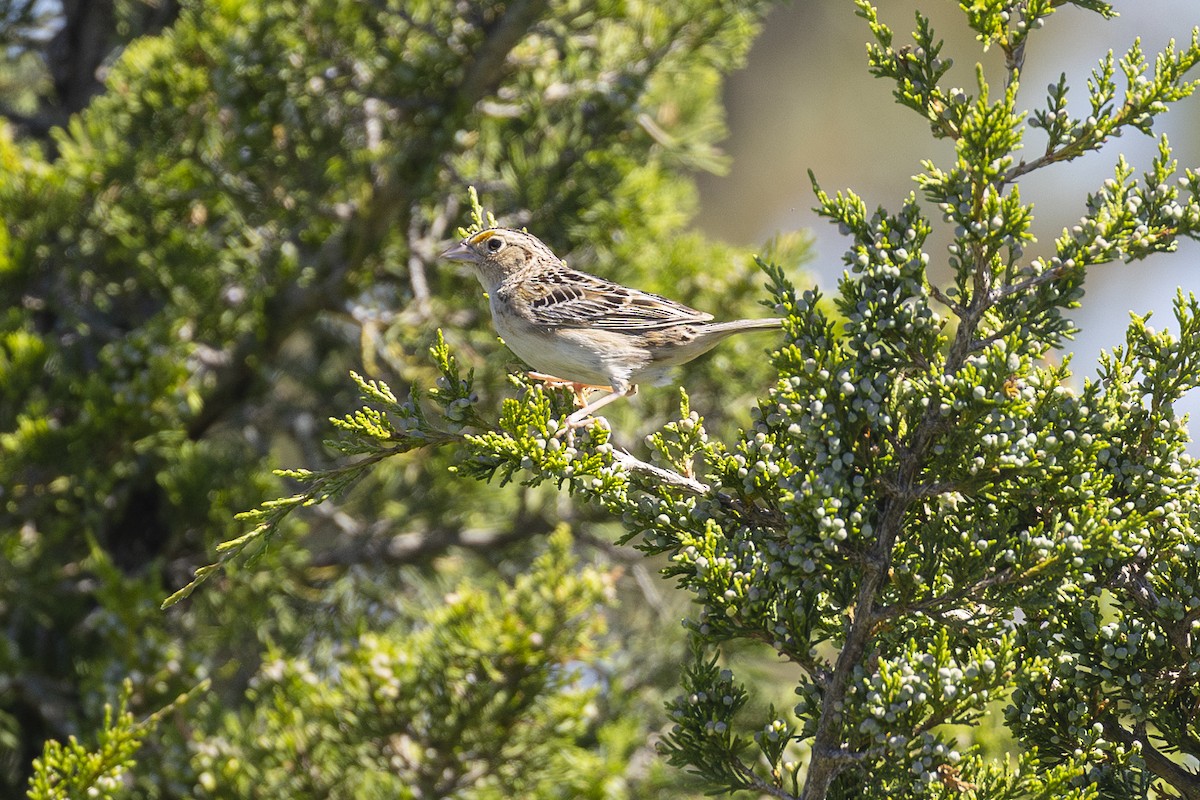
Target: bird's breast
[(592, 356)]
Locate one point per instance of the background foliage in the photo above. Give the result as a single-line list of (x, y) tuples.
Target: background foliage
[(919, 528), (250, 208)]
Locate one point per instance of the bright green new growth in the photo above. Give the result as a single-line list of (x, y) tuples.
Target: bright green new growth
[(924, 519), (70, 771)]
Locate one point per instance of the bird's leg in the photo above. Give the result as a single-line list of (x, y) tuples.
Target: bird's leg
[(579, 417), (580, 390), (552, 381)]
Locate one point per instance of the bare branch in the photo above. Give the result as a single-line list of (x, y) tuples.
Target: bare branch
[(670, 478), (1181, 779), (931, 604), (487, 68), (759, 785), (1030, 283), (1132, 580)]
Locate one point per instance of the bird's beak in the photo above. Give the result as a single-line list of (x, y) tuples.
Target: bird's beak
[(460, 252)]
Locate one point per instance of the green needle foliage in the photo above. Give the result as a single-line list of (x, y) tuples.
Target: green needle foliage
[(66, 772), (924, 519), (484, 696)]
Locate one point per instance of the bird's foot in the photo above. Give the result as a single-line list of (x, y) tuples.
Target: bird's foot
[(578, 389), (583, 416)]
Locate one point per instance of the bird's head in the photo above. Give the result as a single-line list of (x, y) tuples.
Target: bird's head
[(497, 253)]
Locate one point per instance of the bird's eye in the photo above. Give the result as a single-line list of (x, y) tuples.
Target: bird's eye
[(494, 244)]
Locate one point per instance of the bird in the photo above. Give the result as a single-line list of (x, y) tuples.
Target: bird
[(583, 331)]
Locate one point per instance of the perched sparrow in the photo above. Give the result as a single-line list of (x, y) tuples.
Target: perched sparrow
[(584, 331)]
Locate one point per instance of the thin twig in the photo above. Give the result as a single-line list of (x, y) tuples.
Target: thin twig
[(759, 785), (1006, 575), (670, 477), (416, 270), (1029, 283)]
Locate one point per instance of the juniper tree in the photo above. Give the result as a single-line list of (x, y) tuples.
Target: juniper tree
[(929, 517)]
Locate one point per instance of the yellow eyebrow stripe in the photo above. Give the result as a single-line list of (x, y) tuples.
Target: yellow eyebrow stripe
[(482, 237)]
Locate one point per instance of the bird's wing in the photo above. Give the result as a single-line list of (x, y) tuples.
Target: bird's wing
[(567, 298)]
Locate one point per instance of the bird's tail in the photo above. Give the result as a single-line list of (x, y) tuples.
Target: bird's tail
[(734, 326)]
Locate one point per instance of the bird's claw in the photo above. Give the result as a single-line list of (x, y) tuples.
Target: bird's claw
[(580, 390)]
